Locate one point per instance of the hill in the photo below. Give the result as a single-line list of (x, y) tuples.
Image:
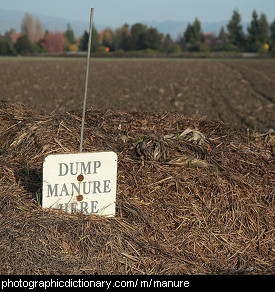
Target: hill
[(12, 19)]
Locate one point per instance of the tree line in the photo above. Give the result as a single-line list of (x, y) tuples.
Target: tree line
[(33, 39)]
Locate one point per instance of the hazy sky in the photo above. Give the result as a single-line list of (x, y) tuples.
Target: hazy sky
[(117, 12)]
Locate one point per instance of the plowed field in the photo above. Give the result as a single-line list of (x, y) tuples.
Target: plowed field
[(194, 196), (241, 92)]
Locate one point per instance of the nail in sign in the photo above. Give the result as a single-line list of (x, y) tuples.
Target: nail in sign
[(80, 182)]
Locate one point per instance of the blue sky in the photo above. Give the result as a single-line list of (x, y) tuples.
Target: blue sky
[(117, 12)]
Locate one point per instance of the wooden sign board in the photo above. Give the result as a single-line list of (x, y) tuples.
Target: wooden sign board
[(80, 182)]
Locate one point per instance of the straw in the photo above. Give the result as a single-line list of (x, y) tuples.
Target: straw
[(213, 218)]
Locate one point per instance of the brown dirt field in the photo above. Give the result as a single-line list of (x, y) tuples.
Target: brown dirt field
[(241, 92), (201, 205), (195, 203)]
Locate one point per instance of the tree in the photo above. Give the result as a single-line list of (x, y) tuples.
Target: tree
[(193, 37), (169, 46), (39, 47), (187, 37), (222, 34), (122, 38), (210, 42), (197, 32), (221, 40), (235, 32), (254, 33), (3, 46), (27, 26), (73, 48), (258, 33), (137, 32), (23, 45), (106, 38), (83, 46), (39, 30), (54, 42), (272, 31), (264, 30), (6, 45), (69, 35), (95, 40), (272, 36), (32, 28), (151, 39)]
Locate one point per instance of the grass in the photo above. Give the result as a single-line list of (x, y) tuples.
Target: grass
[(38, 198), (143, 59), (178, 133), (40, 58)]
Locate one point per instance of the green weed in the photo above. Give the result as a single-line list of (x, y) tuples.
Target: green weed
[(178, 133), (38, 198)]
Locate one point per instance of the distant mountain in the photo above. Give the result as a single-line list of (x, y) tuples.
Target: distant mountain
[(177, 28), (12, 19), (174, 28)]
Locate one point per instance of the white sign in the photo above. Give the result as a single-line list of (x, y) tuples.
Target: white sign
[(80, 182)]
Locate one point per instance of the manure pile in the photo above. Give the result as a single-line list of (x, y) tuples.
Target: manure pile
[(193, 196)]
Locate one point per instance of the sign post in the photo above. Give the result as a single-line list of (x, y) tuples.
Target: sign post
[(86, 80), (81, 182)]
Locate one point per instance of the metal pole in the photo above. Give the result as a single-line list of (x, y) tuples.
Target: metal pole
[(86, 80)]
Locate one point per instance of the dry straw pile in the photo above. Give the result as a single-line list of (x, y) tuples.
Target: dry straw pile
[(193, 196)]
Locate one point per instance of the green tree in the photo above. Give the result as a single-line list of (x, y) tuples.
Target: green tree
[(254, 33), (235, 32), (264, 30), (23, 45), (152, 39), (222, 40), (39, 47), (126, 39), (123, 39), (106, 38), (137, 32), (144, 37), (272, 31), (83, 45), (258, 33), (3, 46), (168, 44), (254, 27), (69, 35), (95, 40), (193, 37), (6, 45), (187, 36), (272, 36), (197, 32)]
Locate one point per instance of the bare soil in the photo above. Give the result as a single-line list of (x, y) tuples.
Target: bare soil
[(195, 193), (240, 92)]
